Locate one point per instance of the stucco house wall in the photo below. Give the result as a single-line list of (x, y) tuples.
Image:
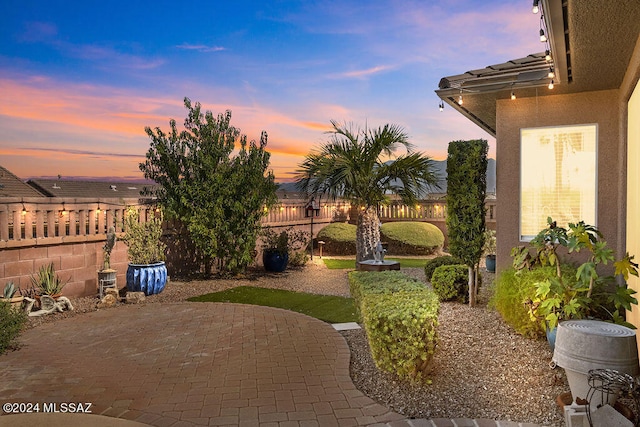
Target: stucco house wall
[(601, 108)]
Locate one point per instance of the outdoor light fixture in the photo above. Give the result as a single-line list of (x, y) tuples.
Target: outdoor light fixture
[(64, 210), (551, 74), (513, 95), (310, 210), (460, 101), (24, 210), (441, 105), (98, 210), (535, 8), (547, 55), (543, 37), (551, 84)]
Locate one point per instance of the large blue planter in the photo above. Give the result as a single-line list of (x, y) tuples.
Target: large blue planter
[(274, 261), (148, 278)]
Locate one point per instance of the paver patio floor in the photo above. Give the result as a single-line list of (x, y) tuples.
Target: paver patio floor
[(192, 364)]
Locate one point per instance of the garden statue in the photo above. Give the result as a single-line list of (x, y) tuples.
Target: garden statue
[(48, 305), (378, 253)]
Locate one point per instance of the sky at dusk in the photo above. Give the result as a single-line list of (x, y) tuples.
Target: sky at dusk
[(79, 81)]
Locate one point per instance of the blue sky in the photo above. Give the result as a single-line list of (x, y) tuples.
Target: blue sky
[(79, 81)]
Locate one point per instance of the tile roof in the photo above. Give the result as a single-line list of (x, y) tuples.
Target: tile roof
[(12, 186), (89, 189)]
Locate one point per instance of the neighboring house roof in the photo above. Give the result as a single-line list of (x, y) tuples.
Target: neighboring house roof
[(12, 186), (88, 189), (591, 44)]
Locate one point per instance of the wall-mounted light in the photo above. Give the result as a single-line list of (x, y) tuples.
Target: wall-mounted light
[(551, 84), (535, 8)]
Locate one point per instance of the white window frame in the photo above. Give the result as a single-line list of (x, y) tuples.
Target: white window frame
[(538, 171)]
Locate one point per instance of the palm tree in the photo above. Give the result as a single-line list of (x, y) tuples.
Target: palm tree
[(359, 165)]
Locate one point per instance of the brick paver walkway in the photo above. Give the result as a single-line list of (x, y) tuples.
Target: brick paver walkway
[(187, 364)]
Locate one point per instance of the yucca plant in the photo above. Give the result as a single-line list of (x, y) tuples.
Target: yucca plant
[(47, 281), (9, 290)]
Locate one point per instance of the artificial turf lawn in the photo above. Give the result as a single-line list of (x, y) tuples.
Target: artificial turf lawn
[(334, 264), (328, 308)]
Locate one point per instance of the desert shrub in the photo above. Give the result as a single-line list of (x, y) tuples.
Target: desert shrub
[(339, 238), (513, 288), (434, 263), (400, 316), (412, 238), (11, 323), (298, 258), (451, 282)]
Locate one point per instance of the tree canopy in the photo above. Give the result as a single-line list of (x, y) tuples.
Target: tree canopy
[(219, 197), (361, 165)]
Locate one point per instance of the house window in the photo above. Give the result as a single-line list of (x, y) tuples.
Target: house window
[(558, 177)]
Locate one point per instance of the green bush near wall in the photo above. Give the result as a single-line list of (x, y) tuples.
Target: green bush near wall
[(339, 238), (400, 316), (513, 288), (11, 323), (434, 263), (412, 238)]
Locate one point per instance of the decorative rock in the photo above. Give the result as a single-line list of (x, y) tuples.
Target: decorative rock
[(135, 297), (108, 300)]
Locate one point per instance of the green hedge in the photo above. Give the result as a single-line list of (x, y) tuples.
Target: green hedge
[(339, 238), (451, 282), (434, 263), (513, 288), (400, 316), (11, 323), (411, 238)]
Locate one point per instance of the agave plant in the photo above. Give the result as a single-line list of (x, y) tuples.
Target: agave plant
[(47, 281), (9, 290)]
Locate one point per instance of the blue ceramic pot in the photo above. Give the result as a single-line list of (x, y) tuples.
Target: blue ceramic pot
[(490, 262), (274, 261), (148, 278), (551, 337)]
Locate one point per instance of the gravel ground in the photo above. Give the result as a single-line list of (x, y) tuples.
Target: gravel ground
[(481, 368)]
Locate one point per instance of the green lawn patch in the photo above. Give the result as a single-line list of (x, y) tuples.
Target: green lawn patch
[(328, 308), (335, 264)]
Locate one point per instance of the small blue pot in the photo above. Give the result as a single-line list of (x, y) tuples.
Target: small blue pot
[(148, 278), (551, 337), (490, 262), (275, 261)]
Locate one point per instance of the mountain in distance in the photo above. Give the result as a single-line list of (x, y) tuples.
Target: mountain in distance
[(440, 167)]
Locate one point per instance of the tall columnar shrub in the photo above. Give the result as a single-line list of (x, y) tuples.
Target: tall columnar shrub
[(400, 316), (466, 192), (218, 196)]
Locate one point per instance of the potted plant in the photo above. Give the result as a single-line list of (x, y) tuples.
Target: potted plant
[(107, 275), (147, 271), (47, 282), (489, 250), (9, 295), (278, 247), (588, 293)]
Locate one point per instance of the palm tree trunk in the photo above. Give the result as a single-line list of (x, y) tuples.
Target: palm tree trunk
[(367, 233)]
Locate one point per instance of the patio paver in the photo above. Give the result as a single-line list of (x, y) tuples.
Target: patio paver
[(188, 364)]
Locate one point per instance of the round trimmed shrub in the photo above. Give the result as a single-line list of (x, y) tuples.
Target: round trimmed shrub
[(434, 263), (451, 282), (412, 238), (339, 238)]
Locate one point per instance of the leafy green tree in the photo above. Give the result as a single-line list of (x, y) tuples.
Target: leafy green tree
[(466, 192), (219, 197), (360, 165)]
